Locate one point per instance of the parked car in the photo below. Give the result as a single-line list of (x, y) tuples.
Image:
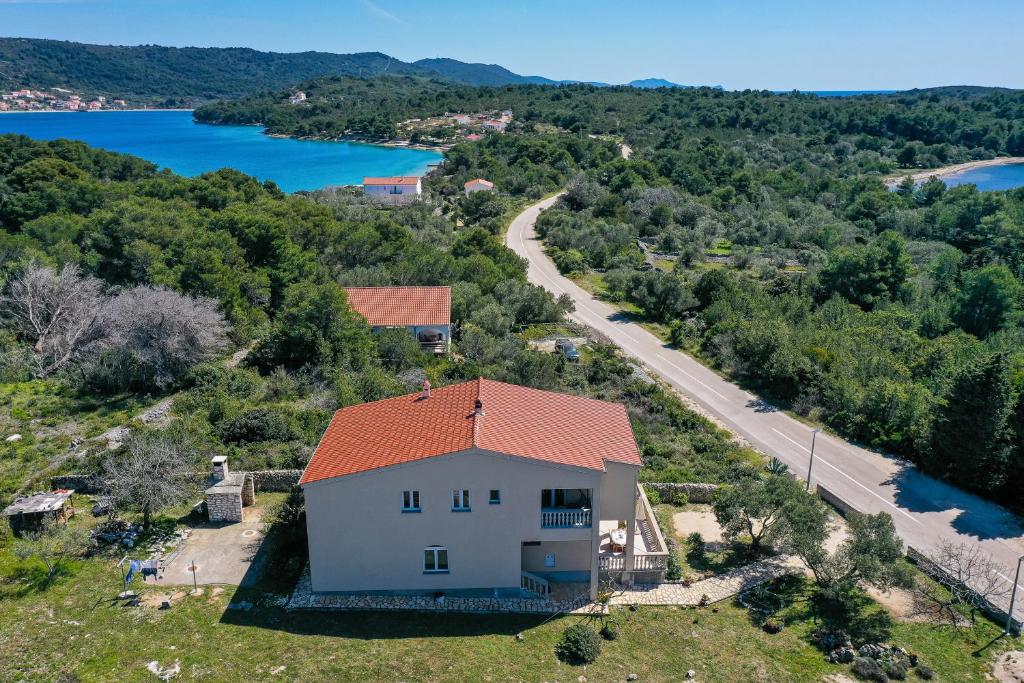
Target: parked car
[(567, 349)]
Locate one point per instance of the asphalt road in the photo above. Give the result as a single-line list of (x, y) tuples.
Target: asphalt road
[(924, 510)]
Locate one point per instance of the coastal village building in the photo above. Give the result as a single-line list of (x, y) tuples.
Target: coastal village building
[(462, 119), (297, 98), (478, 185), (394, 190), (424, 311), (495, 125), (478, 487)]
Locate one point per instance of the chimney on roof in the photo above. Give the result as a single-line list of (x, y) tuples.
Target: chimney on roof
[(220, 467), (426, 390), (478, 407)]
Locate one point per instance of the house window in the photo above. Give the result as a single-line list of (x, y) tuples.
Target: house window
[(435, 560), (410, 501), (460, 500), (495, 497), (549, 560)]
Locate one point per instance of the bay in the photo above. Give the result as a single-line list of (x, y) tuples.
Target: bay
[(1002, 177), (171, 139)]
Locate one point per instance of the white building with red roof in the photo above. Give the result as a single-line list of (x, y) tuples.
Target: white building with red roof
[(425, 311), (393, 189), (477, 185), (479, 488)]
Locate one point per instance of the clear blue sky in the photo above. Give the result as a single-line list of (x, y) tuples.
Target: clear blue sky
[(819, 44)]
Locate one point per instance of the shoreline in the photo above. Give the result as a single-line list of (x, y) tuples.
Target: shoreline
[(97, 112), (952, 170), (402, 144)]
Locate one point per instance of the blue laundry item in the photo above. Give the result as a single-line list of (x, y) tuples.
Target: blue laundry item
[(133, 567)]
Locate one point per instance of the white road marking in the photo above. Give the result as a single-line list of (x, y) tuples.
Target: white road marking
[(719, 395), (821, 460)]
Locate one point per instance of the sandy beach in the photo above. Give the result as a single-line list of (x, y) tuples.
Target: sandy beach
[(949, 171)]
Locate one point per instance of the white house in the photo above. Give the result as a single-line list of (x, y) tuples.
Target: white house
[(297, 98), (393, 189), (478, 185), (495, 125), (424, 311), (478, 487)]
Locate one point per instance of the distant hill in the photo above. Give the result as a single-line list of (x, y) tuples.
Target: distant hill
[(190, 75)]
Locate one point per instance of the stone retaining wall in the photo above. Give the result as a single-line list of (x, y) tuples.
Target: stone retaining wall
[(695, 493), (81, 483), (276, 480), (263, 480)]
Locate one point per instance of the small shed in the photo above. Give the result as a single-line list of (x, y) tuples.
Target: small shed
[(30, 513), (228, 492)]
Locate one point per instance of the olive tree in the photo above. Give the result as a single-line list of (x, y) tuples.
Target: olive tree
[(52, 545), (769, 510), (963, 580), (55, 312), (151, 472)]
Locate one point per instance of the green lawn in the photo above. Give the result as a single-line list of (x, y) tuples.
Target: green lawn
[(75, 626)]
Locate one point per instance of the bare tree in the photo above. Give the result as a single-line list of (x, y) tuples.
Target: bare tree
[(153, 471), (166, 331), (964, 580), (55, 312)]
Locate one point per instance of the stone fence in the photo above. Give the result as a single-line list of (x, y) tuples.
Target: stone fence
[(695, 493), (276, 480), (264, 480), (81, 483)]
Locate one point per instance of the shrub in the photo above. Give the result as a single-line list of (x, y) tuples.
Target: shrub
[(896, 669), (925, 672), (696, 543), (772, 625), (580, 644), (673, 569), (259, 424), (610, 630), (285, 528), (869, 670)]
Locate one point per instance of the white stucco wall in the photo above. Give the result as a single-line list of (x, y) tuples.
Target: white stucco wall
[(359, 538)]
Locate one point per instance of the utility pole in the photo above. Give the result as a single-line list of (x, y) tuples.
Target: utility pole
[(810, 464), (1013, 598)]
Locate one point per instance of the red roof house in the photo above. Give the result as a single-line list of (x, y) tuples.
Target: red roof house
[(425, 311)]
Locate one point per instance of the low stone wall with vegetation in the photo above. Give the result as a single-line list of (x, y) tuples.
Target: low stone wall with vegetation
[(694, 492), (276, 480), (81, 483)]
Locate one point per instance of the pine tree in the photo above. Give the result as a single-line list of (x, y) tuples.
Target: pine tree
[(971, 438)]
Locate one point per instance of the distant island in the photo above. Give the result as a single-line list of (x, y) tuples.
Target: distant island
[(172, 77)]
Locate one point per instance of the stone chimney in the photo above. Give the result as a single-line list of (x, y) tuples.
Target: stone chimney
[(426, 390), (220, 467), (479, 407)]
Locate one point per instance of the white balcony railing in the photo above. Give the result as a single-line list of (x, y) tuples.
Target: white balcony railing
[(557, 518), (534, 583)]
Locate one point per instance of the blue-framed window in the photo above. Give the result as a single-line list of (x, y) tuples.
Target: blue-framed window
[(495, 497), (411, 501), (435, 559), (460, 500)]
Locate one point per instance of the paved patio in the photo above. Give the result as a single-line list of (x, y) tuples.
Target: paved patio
[(716, 588), (223, 553)]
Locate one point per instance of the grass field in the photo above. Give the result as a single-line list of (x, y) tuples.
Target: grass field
[(76, 626)]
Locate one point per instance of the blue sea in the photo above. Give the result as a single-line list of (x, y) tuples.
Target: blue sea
[(1005, 177), (171, 139)]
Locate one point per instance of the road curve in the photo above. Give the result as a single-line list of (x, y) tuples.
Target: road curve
[(923, 509)]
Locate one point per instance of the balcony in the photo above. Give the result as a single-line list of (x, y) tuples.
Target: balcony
[(565, 518), (650, 552)]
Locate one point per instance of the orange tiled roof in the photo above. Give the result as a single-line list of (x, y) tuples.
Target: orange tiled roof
[(402, 306), (392, 180), (519, 421), (488, 183)]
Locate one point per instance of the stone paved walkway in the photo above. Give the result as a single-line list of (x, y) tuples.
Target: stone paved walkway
[(303, 598), (717, 588)]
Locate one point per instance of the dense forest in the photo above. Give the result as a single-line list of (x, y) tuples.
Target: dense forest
[(120, 282), (867, 133), (755, 229), (175, 77)]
